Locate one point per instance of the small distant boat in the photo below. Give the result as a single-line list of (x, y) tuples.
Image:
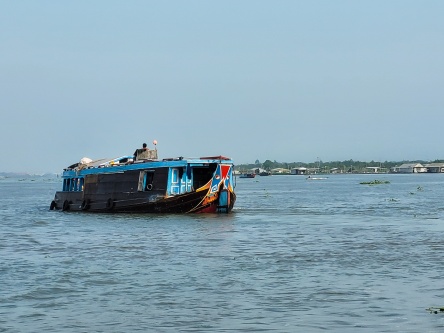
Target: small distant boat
[(247, 175), (144, 184), (316, 178), (265, 173)]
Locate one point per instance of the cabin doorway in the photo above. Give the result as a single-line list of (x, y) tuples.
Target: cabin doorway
[(180, 183), (145, 181)]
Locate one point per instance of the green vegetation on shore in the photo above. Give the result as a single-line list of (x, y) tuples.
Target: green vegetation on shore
[(348, 166)]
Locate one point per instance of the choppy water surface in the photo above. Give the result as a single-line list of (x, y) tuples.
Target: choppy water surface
[(294, 256)]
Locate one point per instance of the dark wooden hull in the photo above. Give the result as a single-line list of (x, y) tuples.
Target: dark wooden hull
[(126, 203)]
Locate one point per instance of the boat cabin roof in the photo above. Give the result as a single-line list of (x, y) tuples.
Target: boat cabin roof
[(124, 163)]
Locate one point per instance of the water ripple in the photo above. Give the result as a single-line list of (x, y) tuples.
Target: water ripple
[(293, 256)]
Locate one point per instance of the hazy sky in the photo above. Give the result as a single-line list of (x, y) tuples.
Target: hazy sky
[(280, 80)]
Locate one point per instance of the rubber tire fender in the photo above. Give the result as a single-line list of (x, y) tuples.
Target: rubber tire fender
[(65, 205), (85, 204), (109, 204)]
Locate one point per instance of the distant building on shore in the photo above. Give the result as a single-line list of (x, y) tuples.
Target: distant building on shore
[(409, 168), (298, 171), (434, 167)]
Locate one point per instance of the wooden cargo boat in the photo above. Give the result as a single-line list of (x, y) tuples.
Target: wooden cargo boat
[(144, 184)]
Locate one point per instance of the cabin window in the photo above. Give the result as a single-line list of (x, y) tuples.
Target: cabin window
[(66, 184), (145, 181), (73, 184)]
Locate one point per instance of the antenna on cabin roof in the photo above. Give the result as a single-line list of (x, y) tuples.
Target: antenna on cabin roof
[(155, 144)]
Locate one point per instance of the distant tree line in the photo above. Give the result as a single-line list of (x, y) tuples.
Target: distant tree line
[(343, 166)]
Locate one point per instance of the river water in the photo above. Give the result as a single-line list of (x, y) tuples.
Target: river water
[(295, 255)]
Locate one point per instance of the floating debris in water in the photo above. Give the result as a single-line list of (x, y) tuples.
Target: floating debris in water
[(435, 310), (375, 182)]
